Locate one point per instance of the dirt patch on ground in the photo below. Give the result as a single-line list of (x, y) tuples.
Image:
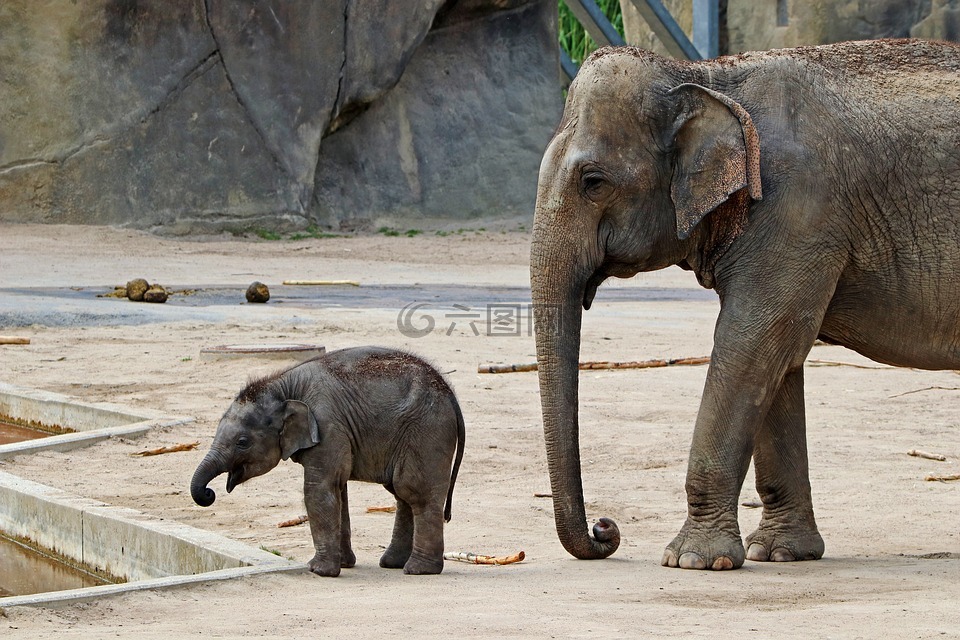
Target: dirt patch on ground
[(891, 566)]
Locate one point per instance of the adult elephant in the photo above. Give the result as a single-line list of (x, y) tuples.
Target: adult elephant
[(816, 189)]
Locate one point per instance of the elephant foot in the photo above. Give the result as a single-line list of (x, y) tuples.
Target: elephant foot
[(348, 559), (419, 565), (394, 558), (770, 543), (697, 547), (323, 566)]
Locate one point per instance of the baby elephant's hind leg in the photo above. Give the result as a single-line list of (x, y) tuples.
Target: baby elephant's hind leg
[(401, 545), (347, 558), (427, 554)]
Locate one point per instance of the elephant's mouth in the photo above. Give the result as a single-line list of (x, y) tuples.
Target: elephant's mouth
[(607, 270), (234, 478), (590, 291)]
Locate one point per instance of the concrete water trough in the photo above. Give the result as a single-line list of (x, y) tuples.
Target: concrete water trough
[(71, 423), (135, 550), (143, 551)]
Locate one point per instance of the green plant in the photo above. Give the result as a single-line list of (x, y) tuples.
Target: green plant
[(313, 232), (388, 231), (267, 235), (573, 37), (413, 232)]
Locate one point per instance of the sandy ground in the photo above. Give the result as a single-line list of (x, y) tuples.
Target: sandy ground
[(892, 565)]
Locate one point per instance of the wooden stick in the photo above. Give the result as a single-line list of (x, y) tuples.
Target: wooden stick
[(936, 478), (929, 456), (829, 363), (14, 340), (312, 283), (171, 449), (392, 508), (476, 558), (588, 366), (292, 523), (906, 393), (543, 495)]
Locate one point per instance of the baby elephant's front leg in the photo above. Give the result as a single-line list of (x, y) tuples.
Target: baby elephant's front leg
[(323, 498)]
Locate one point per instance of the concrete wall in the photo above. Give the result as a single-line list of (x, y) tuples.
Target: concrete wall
[(750, 25)]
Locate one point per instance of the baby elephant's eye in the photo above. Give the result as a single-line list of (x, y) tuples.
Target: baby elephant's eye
[(243, 442)]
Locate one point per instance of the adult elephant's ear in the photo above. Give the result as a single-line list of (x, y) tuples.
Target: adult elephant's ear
[(300, 428), (718, 153)]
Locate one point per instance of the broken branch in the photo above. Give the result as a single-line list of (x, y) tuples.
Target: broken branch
[(906, 393), (390, 509), (929, 456), (294, 522), (14, 340), (830, 363), (313, 283), (940, 478), (476, 558), (171, 449), (586, 366)]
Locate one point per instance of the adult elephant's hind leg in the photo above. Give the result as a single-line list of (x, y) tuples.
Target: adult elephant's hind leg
[(787, 530)]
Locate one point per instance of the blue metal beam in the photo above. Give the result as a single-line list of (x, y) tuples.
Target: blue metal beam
[(595, 22), (666, 29), (568, 67), (706, 27)]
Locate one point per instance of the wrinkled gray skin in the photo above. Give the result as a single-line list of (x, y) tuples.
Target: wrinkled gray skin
[(817, 190), (368, 414)]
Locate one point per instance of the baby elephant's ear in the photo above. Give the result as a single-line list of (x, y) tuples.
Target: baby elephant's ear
[(300, 429)]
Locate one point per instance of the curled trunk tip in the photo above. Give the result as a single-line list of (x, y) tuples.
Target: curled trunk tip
[(207, 470), (204, 497)]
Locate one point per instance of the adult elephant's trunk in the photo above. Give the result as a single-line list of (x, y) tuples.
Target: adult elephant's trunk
[(209, 468), (558, 284)]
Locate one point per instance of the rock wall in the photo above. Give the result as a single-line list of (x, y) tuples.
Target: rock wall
[(203, 115), (748, 25)]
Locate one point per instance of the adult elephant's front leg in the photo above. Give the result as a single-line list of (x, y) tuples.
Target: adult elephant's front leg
[(788, 530), (758, 341), (719, 458)]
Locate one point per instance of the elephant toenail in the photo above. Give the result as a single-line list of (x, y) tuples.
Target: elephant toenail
[(692, 560), (757, 552), (782, 555)]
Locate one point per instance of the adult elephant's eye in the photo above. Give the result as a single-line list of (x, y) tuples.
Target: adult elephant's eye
[(594, 184)]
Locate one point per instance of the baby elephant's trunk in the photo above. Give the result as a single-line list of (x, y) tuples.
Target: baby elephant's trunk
[(208, 469)]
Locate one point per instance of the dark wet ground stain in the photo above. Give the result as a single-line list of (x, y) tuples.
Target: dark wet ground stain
[(367, 296)]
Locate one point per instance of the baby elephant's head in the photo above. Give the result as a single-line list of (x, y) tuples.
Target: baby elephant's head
[(252, 437)]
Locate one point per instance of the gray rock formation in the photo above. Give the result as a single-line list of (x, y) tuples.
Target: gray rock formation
[(205, 115)]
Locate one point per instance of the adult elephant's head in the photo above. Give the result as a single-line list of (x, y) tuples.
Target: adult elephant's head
[(644, 152)]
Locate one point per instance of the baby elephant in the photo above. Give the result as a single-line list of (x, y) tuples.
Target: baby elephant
[(368, 414)]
